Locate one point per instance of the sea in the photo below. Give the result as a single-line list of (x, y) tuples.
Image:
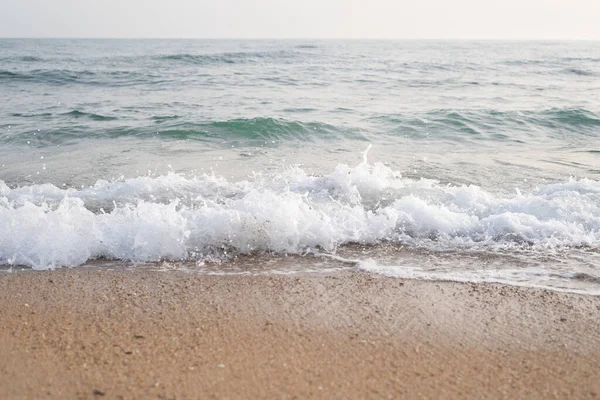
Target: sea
[(469, 161)]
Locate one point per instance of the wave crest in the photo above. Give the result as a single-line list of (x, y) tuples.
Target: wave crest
[(174, 217)]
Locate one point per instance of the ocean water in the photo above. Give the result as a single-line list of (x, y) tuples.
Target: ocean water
[(466, 161)]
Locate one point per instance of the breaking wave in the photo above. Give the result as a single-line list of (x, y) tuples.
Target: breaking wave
[(173, 217)]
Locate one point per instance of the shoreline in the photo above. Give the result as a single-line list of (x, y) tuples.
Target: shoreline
[(92, 333)]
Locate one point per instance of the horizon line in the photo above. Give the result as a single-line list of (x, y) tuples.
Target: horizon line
[(298, 38)]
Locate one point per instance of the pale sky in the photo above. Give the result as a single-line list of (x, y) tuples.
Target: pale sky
[(415, 19)]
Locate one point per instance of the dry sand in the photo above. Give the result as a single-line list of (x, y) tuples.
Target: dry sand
[(92, 333)]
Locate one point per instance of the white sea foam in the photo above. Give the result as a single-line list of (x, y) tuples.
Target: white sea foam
[(176, 217)]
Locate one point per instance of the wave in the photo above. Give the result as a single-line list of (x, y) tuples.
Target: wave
[(270, 128), (46, 76), (182, 218), (570, 66), (519, 63), (9, 74), (92, 116), (579, 71), (34, 115), (572, 117), (257, 131), (581, 59), (30, 59), (197, 59), (25, 59), (58, 77), (480, 122), (226, 57), (454, 125), (162, 118), (475, 124), (253, 129)]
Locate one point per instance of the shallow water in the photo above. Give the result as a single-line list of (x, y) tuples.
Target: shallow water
[(484, 166)]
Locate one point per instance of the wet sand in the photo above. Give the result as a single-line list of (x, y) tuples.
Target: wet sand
[(93, 333)]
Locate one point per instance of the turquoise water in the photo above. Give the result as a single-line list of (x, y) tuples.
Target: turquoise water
[(192, 151)]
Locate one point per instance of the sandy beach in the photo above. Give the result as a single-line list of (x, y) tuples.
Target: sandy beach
[(97, 333)]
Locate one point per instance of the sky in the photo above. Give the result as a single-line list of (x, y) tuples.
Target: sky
[(399, 19)]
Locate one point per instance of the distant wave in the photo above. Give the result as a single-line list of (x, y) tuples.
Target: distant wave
[(70, 114), (197, 59), (519, 63), (25, 59), (95, 117), (46, 76), (226, 58), (578, 71), (9, 74), (162, 118), (581, 59), (34, 115), (58, 77), (569, 66), (30, 59)]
